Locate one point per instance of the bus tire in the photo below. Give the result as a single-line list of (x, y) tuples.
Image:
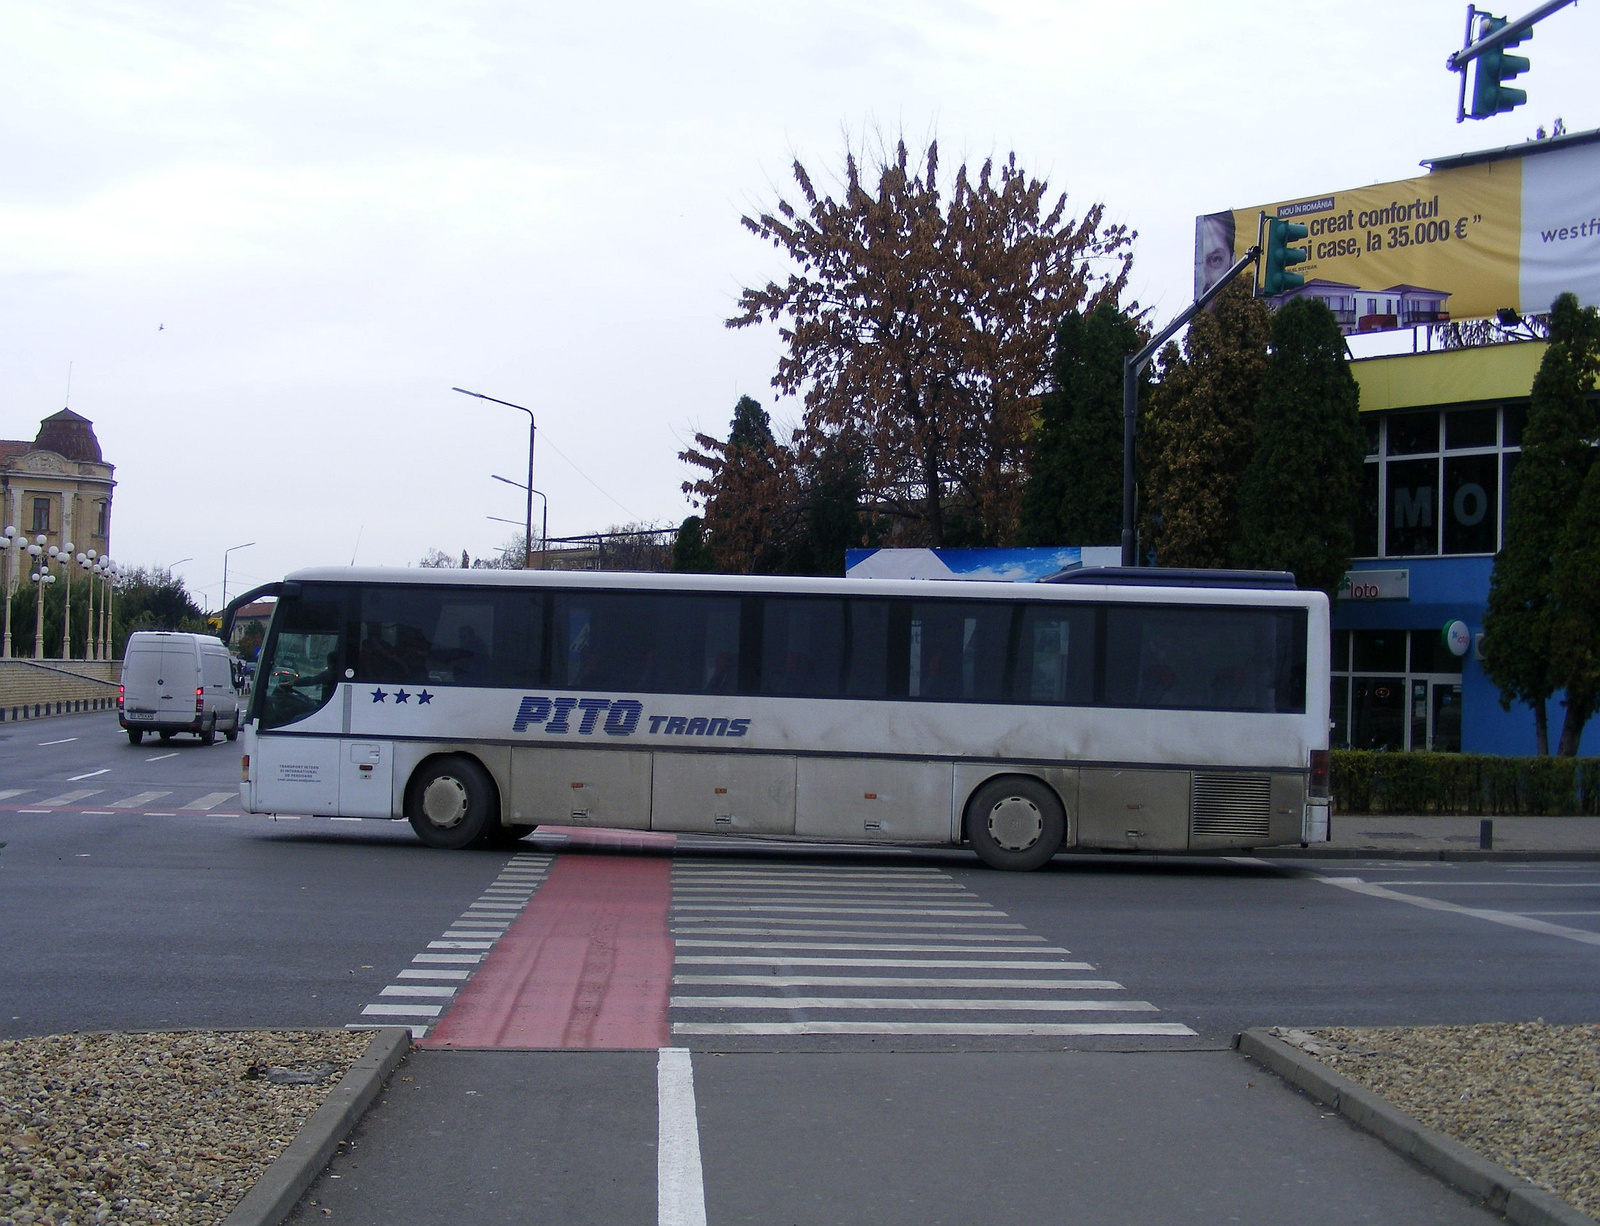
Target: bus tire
[(135, 735), (1015, 823), (452, 803)]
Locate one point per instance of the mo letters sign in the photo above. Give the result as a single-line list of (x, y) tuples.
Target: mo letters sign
[(1375, 585)]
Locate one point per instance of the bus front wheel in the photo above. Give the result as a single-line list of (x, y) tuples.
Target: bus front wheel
[(452, 804), (1015, 823)]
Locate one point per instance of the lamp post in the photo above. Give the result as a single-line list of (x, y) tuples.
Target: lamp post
[(527, 523), (544, 526), (40, 576), (64, 556), (13, 545), (225, 554), (108, 575)]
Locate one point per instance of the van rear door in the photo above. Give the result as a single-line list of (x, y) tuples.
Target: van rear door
[(141, 692), (180, 677)]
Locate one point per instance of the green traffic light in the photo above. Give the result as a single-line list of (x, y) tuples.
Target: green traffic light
[(1278, 256), (1489, 96)]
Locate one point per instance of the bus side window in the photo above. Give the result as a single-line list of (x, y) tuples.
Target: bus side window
[(802, 646), (958, 650), (1055, 656)]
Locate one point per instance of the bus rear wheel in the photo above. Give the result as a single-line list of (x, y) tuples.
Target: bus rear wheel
[(1015, 824), (452, 804)]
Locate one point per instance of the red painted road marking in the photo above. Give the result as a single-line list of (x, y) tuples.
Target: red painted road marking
[(587, 964)]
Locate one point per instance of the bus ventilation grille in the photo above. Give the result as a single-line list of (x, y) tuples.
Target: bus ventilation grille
[(1232, 806)]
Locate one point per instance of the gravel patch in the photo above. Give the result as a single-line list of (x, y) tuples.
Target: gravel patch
[(1525, 1095), (168, 1127)]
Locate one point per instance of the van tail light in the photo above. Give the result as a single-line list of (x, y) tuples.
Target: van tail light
[(199, 700), (244, 769), (1321, 772), (122, 692)]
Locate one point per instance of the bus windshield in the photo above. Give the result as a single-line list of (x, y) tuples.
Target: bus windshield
[(300, 666)]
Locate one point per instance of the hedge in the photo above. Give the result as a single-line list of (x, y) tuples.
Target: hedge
[(1469, 785)]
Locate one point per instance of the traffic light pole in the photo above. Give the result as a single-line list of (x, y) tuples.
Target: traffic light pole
[(1132, 367)]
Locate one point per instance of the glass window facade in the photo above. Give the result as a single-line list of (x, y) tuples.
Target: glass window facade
[(1395, 689), (1436, 481)]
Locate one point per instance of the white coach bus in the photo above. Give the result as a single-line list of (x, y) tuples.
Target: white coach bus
[(1020, 719)]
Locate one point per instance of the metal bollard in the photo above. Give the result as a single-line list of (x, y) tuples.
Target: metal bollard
[(1486, 835)]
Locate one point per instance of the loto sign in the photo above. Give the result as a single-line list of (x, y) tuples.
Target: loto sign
[(1375, 585)]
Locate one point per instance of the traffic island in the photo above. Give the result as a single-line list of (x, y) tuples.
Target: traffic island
[(1489, 1109), (206, 1126)]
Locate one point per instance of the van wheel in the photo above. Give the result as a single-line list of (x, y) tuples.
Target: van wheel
[(208, 735), (1015, 823), (452, 803), (135, 735), (165, 737), (232, 733)]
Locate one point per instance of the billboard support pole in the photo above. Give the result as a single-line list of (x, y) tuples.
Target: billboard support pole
[(1132, 366)]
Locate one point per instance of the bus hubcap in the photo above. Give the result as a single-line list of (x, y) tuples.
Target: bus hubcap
[(1015, 823), (444, 803)]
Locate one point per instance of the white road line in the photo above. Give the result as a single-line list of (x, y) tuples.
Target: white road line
[(67, 798), (959, 925), (962, 964), (1024, 1029), (105, 770), (887, 949), (436, 959), (913, 1003), (138, 801), (968, 935), (149, 813), (1508, 918), (402, 990), (889, 889), (707, 906), (1514, 885), (209, 801), (35, 811), (410, 974), (680, 1185), (10, 792), (402, 1011), (162, 757), (460, 944), (98, 813), (64, 741), (894, 981), (1560, 913)]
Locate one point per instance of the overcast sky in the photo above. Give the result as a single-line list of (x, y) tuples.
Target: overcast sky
[(270, 237)]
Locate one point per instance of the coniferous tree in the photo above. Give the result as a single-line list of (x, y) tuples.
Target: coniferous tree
[(1557, 453), (691, 553), (1197, 436), (1300, 492), (1073, 491)]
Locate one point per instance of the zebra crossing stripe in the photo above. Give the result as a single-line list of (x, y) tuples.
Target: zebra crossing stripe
[(209, 801), (1175, 1030), (137, 801), (912, 1003), (67, 798)]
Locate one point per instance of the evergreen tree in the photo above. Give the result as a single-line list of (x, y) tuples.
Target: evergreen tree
[(1073, 491), (1198, 433), (1300, 492), (1557, 453), (691, 552)]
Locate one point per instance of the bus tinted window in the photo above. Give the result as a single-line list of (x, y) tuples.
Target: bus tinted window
[(957, 651), (1205, 659), (663, 643), (802, 647), (439, 636), (869, 669), (304, 657), (1055, 655)]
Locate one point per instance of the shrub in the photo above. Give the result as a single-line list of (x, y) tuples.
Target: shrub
[(1467, 785)]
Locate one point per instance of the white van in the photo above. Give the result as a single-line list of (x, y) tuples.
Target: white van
[(175, 682)]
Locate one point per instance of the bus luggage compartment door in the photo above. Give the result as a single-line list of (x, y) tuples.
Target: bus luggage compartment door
[(580, 787), (1139, 810), (729, 793), (296, 774), (366, 779), (873, 798)]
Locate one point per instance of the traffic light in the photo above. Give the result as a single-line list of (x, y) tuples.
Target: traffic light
[(1277, 255), (1489, 96)]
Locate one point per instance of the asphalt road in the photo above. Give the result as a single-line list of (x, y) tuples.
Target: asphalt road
[(133, 894)]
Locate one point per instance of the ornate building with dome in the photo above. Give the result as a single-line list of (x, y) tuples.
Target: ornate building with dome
[(58, 486)]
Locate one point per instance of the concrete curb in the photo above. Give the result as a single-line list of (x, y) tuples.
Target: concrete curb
[(278, 1191), (1419, 853), (1444, 1156)]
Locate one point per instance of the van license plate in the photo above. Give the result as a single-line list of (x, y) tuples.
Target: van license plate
[(140, 714)]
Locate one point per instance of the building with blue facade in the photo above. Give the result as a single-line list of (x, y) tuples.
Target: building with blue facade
[(1444, 433)]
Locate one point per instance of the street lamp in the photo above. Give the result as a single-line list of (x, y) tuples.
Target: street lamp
[(40, 576), (544, 526), (527, 523), (225, 554), (13, 545), (64, 556)]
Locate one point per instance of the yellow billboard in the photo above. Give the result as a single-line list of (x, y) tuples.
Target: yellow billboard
[(1476, 236)]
